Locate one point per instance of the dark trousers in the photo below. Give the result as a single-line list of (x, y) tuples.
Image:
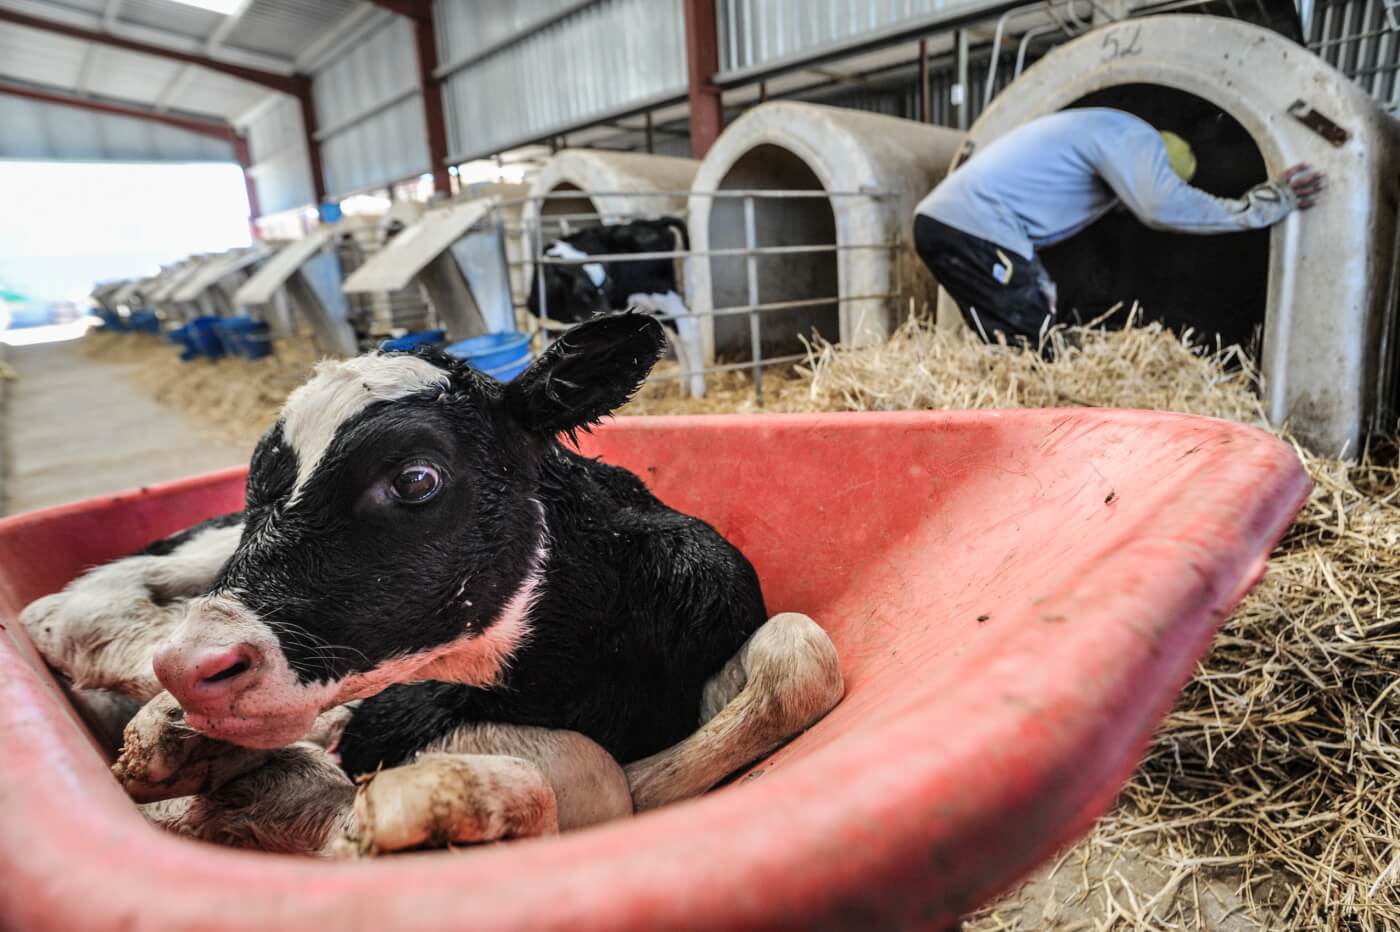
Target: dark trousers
[(997, 290)]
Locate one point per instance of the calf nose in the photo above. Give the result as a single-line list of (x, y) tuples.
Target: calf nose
[(207, 678)]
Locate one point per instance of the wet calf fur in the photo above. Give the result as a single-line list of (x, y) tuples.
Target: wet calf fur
[(410, 520)]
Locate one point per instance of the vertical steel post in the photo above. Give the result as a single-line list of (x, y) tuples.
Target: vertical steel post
[(925, 101), (964, 93), (751, 259), (702, 61)]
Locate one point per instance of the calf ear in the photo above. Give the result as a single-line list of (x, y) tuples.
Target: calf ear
[(591, 370)]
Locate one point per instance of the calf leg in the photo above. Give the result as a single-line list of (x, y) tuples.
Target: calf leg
[(102, 630), (487, 782), (783, 680), (482, 782), (294, 800)]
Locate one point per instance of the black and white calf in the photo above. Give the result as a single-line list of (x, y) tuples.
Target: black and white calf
[(574, 293), (422, 566)]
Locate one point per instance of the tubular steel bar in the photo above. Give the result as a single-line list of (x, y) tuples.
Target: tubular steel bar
[(751, 272), (728, 192), (716, 253), (727, 367)]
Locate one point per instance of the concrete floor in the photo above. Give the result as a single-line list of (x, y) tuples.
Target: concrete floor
[(76, 427)]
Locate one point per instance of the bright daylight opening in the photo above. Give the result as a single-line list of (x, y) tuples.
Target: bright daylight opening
[(87, 223)]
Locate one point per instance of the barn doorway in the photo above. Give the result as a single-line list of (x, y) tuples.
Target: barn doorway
[(800, 277), (1215, 286)]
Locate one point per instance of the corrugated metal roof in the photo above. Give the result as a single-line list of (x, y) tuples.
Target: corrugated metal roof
[(211, 92), (268, 34), (41, 58), (127, 75), (178, 18), (286, 27)]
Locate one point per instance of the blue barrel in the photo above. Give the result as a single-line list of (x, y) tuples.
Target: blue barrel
[(144, 321), (500, 355), (243, 336), (411, 341), (204, 337)]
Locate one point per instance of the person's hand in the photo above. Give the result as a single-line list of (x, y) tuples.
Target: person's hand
[(1307, 184)]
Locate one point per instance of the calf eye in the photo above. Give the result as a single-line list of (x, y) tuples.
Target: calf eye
[(416, 483)]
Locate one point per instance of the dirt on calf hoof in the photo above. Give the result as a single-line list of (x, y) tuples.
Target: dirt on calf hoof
[(163, 758), (447, 799)]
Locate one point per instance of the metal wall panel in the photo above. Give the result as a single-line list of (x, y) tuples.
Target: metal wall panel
[(370, 112), (757, 32), (280, 169), (36, 130), (603, 59)]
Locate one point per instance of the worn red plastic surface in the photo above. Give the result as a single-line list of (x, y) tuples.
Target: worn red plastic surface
[(1017, 597)]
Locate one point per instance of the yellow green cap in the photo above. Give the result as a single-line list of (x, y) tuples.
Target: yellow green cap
[(1179, 153)]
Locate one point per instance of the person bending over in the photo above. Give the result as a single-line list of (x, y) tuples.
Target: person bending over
[(979, 230)]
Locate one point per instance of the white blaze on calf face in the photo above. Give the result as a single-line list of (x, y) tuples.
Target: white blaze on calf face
[(342, 389)]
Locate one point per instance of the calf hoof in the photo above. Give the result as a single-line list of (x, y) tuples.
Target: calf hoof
[(163, 758), (446, 799)]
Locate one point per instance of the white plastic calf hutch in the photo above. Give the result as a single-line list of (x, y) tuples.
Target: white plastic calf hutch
[(578, 188), (611, 186), (1317, 295), (840, 262)]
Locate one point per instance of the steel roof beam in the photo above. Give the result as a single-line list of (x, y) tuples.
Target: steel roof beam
[(211, 128)]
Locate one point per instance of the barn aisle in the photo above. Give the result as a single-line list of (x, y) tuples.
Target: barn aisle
[(76, 427)]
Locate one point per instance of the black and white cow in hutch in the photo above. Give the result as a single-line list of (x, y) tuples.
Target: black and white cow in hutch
[(576, 289)]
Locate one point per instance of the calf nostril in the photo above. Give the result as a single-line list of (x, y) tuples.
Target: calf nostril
[(241, 665)]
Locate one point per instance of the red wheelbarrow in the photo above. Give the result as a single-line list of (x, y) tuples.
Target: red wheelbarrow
[(1016, 596)]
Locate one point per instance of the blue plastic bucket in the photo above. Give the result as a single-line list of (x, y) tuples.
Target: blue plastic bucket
[(510, 370), (411, 341), (495, 352)]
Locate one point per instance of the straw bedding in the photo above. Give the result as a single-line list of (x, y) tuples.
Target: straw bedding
[(1268, 798)]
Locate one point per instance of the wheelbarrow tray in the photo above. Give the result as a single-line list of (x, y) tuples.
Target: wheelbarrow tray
[(1017, 597)]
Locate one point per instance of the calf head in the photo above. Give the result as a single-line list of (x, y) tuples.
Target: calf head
[(393, 531)]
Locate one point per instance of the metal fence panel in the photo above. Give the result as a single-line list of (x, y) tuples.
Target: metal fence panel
[(589, 61), (1360, 39)]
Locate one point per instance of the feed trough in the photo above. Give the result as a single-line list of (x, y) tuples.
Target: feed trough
[(1016, 597)]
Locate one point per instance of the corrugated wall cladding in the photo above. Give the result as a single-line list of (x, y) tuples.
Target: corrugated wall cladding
[(603, 59), (35, 130), (277, 144), (757, 32), (370, 112)]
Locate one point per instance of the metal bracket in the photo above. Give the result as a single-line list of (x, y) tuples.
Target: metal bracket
[(1318, 123)]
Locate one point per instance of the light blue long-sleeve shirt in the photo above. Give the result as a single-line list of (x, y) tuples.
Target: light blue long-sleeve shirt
[(1050, 178)]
